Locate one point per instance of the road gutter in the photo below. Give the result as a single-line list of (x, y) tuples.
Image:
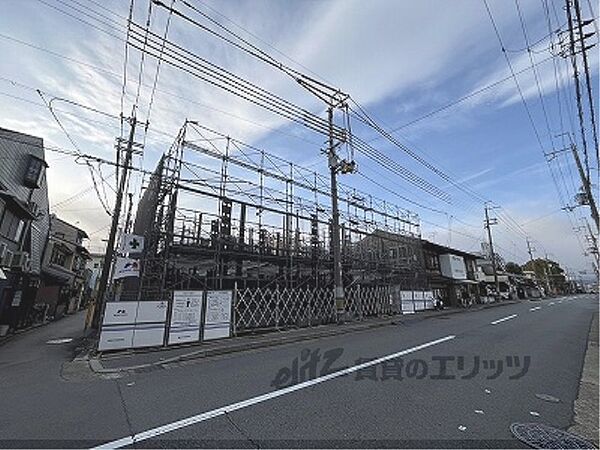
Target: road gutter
[(586, 405)]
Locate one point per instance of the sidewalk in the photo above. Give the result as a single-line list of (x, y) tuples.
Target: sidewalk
[(586, 406), (142, 360)]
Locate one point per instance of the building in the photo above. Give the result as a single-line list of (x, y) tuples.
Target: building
[(451, 273), (64, 275), (416, 264), (24, 225), (386, 257), (94, 266)]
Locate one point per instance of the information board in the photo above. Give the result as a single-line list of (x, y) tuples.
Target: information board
[(217, 321), (185, 317)]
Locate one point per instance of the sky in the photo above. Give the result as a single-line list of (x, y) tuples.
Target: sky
[(398, 60)]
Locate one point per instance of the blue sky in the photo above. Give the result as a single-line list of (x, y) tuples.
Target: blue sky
[(398, 59)]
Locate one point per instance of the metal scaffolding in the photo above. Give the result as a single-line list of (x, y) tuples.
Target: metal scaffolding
[(219, 213)]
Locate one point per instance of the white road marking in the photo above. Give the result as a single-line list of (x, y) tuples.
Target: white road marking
[(59, 341), (153, 432), (535, 309), (512, 316)]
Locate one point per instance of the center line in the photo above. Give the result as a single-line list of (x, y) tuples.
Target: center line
[(504, 318), (535, 309), (153, 432)]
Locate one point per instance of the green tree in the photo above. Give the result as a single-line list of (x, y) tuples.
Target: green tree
[(512, 267), (549, 272)]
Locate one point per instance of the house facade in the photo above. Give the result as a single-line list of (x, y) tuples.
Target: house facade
[(64, 277), (24, 226), (451, 273)]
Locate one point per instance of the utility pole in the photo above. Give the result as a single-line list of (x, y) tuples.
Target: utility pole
[(584, 48), (488, 225), (573, 55), (335, 221), (546, 265), (529, 249), (592, 239), (586, 187), (110, 246)]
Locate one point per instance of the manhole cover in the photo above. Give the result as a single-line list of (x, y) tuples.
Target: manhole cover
[(547, 398), (59, 341), (538, 435)]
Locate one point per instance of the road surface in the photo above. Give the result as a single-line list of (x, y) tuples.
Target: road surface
[(379, 388)]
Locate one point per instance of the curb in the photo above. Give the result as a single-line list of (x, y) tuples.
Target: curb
[(97, 367)]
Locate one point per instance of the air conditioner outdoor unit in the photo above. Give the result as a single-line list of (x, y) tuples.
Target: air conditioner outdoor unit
[(20, 261), (7, 259)]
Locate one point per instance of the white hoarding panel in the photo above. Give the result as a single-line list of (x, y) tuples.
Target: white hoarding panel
[(185, 317), (114, 337), (217, 322), (406, 295), (152, 312), (120, 313), (408, 308), (148, 335), (453, 266)]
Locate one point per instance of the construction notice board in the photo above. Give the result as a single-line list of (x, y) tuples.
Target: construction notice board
[(185, 317), (217, 320)]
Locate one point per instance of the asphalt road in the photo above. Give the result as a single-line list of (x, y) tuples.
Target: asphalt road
[(245, 399)]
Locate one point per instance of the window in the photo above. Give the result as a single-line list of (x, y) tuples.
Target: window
[(432, 261), (11, 226), (33, 174), (58, 257)]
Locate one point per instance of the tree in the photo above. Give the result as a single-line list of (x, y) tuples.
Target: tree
[(512, 267), (549, 272)]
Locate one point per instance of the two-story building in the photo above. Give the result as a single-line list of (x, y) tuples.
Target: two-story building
[(24, 224), (64, 273), (451, 273)]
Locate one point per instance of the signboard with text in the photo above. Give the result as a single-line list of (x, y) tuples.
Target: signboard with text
[(185, 317), (217, 321)]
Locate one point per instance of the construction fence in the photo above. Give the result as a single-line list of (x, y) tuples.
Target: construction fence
[(194, 316)]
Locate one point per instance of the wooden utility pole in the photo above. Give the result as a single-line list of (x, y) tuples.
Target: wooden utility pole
[(488, 225), (110, 246)]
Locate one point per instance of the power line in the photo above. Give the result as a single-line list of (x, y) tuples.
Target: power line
[(90, 168)]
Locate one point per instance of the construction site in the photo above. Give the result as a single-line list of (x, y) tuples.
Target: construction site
[(221, 214)]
